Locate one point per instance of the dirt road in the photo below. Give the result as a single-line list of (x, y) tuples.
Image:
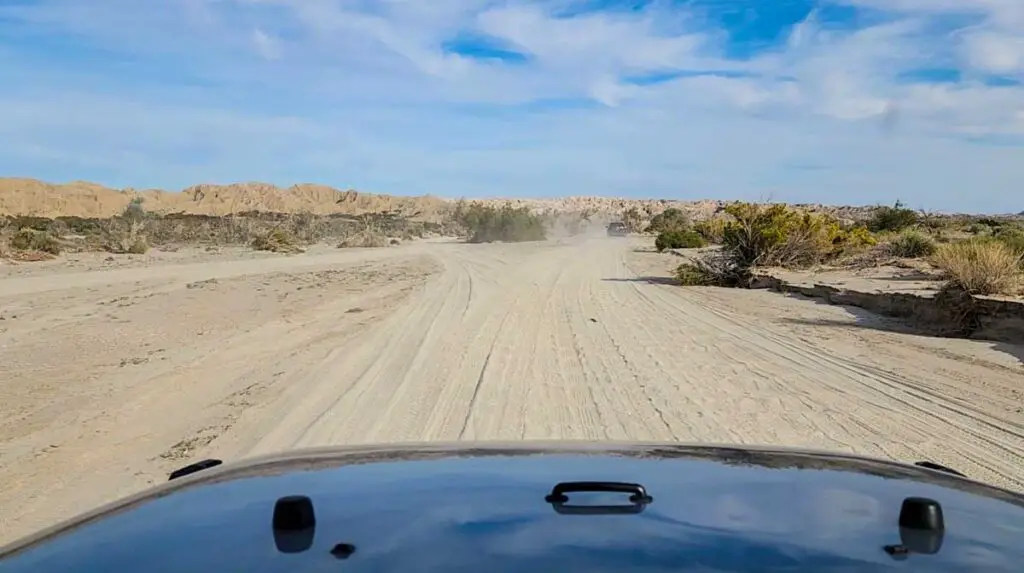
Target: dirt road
[(111, 378)]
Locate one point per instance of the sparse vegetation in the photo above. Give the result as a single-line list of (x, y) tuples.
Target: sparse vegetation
[(369, 236), (669, 220), (135, 231), (364, 239), (679, 239), (1013, 237), (769, 235), (980, 267), (134, 211), (486, 224), (895, 218), (719, 268), (779, 235), (124, 236), (27, 239), (911, 245), (692, 274), (276, 240), (713, 230)]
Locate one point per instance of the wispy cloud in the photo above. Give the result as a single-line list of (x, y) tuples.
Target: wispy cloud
[(917, 99)]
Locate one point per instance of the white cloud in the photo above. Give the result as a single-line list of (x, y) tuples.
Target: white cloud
[(995, 52), (267, 46), (363, 93)]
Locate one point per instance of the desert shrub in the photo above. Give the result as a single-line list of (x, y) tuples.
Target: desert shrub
[(713, 230), (27, 239), (134, 210), (989, 222), (980, 267), (859, 237), (980, 229), (364, 239), (911, 245), (670, 219), (937, 222), (307, 227), (80, 225), (772, 235), (486, 224), (1012, 237), (124, 236), (29, 222), (691, 274), (678, 239), (713, 269), (895, 218), (277, 240), (778, 235)]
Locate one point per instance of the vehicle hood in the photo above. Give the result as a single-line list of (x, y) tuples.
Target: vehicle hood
[(483, 507)]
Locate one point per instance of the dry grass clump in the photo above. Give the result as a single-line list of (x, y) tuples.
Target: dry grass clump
[(364, 239), (980, 267), (277, 240), (125, 237), (714, 269), (911, 245), (713, 230), (31, 240)]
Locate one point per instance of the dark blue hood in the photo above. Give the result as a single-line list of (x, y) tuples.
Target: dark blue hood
[(488, 508)]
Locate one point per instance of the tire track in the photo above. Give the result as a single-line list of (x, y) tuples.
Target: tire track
[(904, 398)]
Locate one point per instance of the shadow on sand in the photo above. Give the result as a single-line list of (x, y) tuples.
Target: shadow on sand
[(647, 279), (869, 320)]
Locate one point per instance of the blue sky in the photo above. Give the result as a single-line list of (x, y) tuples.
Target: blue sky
[(837, 101)]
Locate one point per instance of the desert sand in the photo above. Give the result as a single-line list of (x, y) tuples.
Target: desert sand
[(117, 371)]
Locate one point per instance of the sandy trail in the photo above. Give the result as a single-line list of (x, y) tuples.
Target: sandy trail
[(449, 342)]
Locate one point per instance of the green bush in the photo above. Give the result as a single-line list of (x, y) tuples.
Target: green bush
[(31, 240), (980, 229), (485, 224), (779, 235), (895, 218), (1012, 237), (690, 274), (678, 240), (911, 245), (670, 219), (713, 230), (29, 222)]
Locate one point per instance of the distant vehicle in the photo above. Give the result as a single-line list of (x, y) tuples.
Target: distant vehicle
[(617, 229), (567, 507)]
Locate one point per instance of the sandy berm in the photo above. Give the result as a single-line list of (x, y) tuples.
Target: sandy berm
[(116, 372)]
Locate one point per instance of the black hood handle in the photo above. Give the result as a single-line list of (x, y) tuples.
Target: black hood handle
[(638, 497)]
